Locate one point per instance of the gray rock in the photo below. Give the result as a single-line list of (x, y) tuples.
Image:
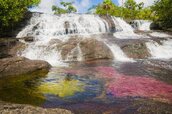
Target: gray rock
[(8, 108), (20, 65)]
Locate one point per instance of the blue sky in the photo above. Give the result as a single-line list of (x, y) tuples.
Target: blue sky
[(81, 5), (84, 5)]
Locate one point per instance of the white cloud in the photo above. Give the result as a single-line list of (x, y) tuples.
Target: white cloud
[(146, 2), (46, 5), (85, 3)]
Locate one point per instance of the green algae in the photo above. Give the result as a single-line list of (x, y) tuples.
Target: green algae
[(64, 88), (16, 89)]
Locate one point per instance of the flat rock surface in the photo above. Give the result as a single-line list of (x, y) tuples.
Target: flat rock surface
[(21, 65), (8, 108)]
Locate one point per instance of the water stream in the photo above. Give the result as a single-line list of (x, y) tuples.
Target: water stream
[(120, 85)]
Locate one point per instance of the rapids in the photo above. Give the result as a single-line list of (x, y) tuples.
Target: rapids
[(52, 31)]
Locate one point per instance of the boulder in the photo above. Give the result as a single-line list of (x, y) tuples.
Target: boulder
[(68, 46), (85, 48), (5, 45), (28, 39), (19, 65), (136, 50), (92, 49), (10, 47), (8, 108)]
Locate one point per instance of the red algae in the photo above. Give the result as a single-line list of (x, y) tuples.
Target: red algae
[(121, 85), (124, 86), (106, 72)]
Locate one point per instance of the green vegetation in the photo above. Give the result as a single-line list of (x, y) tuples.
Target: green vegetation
[(12, 11), (68, 8), (63, 88), (131, 10), (163, 12)]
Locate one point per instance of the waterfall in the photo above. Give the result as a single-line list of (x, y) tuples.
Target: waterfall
[(46, 27), (50, 26), (118, 54), (160, 51), (143, 25), (124, 30)]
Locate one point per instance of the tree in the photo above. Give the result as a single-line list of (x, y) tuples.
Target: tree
[(163, 13), (132, 9), (12, 11), (68, 8), (106, 8)]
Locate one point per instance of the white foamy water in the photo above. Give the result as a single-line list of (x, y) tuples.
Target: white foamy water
[(118, 54), (160, 35), (143, 25), (52, 26), (159, 51), (124, 30), (46, 27)]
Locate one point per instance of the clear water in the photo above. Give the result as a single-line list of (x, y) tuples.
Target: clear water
[(94, 87)]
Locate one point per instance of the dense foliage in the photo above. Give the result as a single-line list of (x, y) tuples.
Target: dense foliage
[(160, 12), (12, 11), (130, 10), (68, 8), (163, 12)]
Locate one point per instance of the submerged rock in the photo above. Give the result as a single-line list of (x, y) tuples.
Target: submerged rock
[(20, 65), (136, 50), (8, 108), (93, 49), (85, 49)]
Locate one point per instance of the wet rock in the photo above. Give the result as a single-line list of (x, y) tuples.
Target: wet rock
[(110, 22), (85, 48), (68, 46), (27, 39), (8, 108), (17, 49), (136, 50), (20, 65), (159, 64), (10, 47), (155, 26), (5, 45), (55, 42), (93, 49)]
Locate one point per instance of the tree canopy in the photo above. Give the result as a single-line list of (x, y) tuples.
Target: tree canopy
[(163, 12), (12, 11), (68, 8), (130, 10)]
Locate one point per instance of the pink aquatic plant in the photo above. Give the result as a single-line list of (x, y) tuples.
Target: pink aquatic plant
[(121, 85), (106, 72)]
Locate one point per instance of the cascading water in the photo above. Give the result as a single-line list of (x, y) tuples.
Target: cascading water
[(45, 28), (160, 51), (159, 35), (124, 30), (118, 53), (45, 25), (143, 25)]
